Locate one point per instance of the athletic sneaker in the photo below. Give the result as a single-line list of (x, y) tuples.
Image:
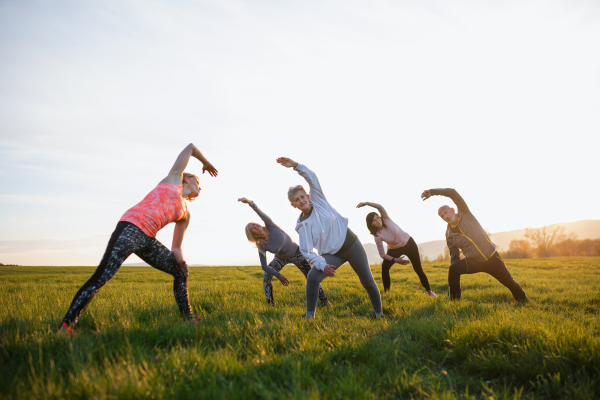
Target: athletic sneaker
[(65, 330), (431, 294), (311, 316), (192, 320), (272, 303), (325, 303)]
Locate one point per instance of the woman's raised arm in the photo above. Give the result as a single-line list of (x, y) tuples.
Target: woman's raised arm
[(175, 174), (379, 208)]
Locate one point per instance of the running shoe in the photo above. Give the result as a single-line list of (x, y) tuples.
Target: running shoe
[(65, 330), (431, 294), (325, 303)]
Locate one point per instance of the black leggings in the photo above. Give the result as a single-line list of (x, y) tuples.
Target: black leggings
[(494, 266), (125, 240), (411, 250)]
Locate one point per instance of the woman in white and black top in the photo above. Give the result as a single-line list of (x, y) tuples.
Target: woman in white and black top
[(322, 228)]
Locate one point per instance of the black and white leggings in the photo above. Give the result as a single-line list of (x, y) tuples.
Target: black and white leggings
[(277, 264), (125, 240)]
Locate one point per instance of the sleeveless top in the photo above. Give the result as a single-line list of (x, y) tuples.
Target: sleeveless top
[(160, 207)]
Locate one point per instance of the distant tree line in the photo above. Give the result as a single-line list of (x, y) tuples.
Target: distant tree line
[(9, 265), (547, 241), (551, 241)]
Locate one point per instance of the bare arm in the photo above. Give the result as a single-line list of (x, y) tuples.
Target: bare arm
[(180, 228), (175, 174), (379, 208)]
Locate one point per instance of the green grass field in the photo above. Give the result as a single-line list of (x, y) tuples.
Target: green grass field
[(130, 342)]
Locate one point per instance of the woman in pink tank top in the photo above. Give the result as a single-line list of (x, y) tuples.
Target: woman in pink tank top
[(136, 231), (399, 244)]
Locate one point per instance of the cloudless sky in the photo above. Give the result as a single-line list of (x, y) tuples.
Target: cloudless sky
[(382, 99)]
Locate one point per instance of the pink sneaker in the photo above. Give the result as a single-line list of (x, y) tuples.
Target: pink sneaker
[(431, 294)]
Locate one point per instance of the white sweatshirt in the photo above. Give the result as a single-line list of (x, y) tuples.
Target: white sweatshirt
[(325, 229)]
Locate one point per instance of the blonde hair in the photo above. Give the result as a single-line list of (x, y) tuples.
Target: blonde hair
[(258, 243), (187, 175)]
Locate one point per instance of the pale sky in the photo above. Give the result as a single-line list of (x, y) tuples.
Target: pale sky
[(498, 99)]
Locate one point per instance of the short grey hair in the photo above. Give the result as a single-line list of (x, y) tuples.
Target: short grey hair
[(293, 190)]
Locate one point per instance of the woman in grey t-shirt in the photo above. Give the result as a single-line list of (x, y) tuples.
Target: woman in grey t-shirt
[(273, 239)]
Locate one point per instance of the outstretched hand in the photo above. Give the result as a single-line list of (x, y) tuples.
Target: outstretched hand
[(366, 203), (426, 194), (287, 162), (402, 261), (212, 171), (245, 200), (283, 280), (184, 268), (329, 270)]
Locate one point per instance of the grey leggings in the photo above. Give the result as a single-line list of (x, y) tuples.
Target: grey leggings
[(359, 262)]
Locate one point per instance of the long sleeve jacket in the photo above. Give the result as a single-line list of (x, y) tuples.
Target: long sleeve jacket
[(325, 229), (471, 237), (278, 243)]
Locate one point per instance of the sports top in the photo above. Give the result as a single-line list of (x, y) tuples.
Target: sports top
[(160, 207)]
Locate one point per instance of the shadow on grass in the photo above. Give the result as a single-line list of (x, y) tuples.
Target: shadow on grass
[(415, 352)]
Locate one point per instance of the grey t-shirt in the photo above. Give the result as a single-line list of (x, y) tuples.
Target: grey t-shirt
[(279, 243)]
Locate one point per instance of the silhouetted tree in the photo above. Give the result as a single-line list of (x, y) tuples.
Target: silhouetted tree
[(519, 248), (544, 238)]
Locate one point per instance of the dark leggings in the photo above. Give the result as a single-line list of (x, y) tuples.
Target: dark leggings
[(494, 266), (125, 240), (410, 250)]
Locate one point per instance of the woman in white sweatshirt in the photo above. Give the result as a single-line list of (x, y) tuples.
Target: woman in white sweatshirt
[(322, 228)]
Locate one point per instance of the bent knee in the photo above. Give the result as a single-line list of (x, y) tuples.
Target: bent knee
[(455, 268), (315, 275)]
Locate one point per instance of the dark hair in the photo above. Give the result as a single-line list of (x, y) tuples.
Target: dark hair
[(370, 226)]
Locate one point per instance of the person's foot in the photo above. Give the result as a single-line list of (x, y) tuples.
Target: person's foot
[(379, 315), (272, 303), (431, 294), (523, 300), (325, 303), (65, 330), (192, 321), (309, 315)]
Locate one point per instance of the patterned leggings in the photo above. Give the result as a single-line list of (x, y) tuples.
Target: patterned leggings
[(277, 264), (125, 240)]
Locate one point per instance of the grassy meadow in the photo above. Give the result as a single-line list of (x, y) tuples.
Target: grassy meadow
[(130, 342)]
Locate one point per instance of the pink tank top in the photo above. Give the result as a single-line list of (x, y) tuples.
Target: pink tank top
[(161, 206)]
